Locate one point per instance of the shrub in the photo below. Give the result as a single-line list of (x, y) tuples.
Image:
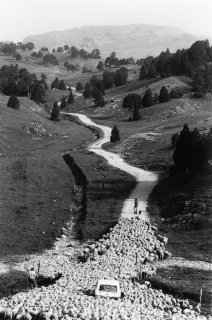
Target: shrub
[(176, 93), (13, 102)]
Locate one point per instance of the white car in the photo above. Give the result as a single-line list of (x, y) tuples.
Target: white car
[(108, 288)]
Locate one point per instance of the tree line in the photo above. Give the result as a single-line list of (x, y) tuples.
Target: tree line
[(194, 62), (192, 150)]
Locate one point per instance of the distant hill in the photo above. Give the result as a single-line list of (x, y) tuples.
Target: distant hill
[(137, 40)]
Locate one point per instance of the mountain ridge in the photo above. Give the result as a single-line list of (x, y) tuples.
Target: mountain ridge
[(137, 40)]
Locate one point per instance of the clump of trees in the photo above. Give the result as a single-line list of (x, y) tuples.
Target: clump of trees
[(75, 53), (58, 84), (114, 135), (113, 61), (13, 102), (49, 58), (20, 82), (192, 62), (193, 150)]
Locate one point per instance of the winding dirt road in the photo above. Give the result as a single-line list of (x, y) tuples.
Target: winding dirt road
[(145, 180)]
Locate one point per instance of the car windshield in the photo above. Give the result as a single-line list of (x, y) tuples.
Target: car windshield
[(107, 288)]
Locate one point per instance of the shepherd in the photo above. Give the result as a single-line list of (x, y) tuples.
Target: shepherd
[(32, 277), (136, 206)]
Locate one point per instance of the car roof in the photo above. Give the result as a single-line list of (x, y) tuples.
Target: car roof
[(109, 282)]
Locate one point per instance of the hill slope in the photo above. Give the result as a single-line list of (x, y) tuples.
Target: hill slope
[(137, 40)]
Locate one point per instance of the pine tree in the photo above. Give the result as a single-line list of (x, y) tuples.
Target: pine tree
[(136, 114), (55, 114), (55, 83), (13, 102), (148, 100), (164, 95), (98, 97), (71, 98), (143, 72), (63, 103), (79, 86), (62, 85), (114, 135), (87, 93)]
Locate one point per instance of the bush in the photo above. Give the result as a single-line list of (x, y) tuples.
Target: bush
[(176, 93), (13, 102)]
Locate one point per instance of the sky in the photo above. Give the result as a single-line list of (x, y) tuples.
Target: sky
[(20, 18)]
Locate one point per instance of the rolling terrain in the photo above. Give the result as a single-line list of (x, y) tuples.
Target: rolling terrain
[(138, 40)]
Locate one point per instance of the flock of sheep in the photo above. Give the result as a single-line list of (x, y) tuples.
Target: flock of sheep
[(118, 255)]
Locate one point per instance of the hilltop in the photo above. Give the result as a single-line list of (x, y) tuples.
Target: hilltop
[(139, 40)]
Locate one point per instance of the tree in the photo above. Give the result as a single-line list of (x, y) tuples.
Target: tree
[(87, 93), (98, 97), (164, 95), (120, 76), (60, 50), (55, 114), (71, 98), (136, 114), (182, 154), (37, 92), (18, 57), (131, 101), (114, 135), (62, 85), (148, 99), (108, 79), (66, 47), (152, 73), (13, 102), (143, 72), (30, 45), (79, 86), (100, 66), (55, 84), (63, 102)]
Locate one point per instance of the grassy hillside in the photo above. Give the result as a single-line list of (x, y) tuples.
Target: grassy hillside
[(35, 183)]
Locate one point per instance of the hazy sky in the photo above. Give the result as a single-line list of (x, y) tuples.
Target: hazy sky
[(20, 18)]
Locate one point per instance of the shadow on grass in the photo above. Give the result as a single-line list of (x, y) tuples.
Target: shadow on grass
[(185, 283), (16, 281)]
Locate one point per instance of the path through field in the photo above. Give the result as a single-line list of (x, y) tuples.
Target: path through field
[(145, 180)]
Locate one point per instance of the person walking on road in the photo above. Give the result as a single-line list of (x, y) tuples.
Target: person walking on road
[(136, 206), (32, 278)]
